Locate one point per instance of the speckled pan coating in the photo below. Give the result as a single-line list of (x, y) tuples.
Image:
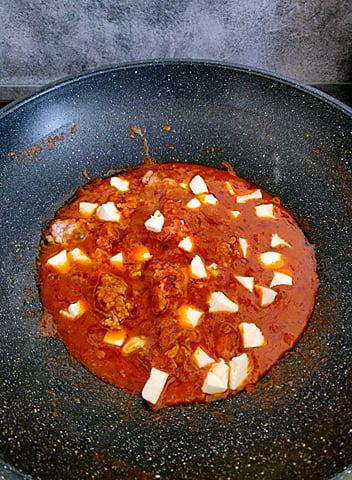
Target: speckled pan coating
[(59, 421)]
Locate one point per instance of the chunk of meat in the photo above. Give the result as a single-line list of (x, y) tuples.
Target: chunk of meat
[(169, 285), (111, 297), (109, 237), (62, 231), (149, 178), (175, 229)]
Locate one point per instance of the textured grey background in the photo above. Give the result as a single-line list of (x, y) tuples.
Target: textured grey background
[(40, 41)]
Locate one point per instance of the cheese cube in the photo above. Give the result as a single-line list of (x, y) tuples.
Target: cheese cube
[(119, 183), (155, 222), (60, 262), (108, 212), (267, 296), (201, 359), (271, 259), (115, 337), (117, 260), (86, 209), (78, 256), (235, 213), (198, 185), (251, 335), (219, 302), (186, 244), (280, 278), (74, 310), (217, 379), (265, 211), (239, 370), (193, 204), (243, 247), (208, 199), (154, 385), (198, 269), (189, 316), (247, 282), (249, 196), (277, 241)]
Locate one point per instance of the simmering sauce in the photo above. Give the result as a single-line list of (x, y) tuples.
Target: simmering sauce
[(180, 281)]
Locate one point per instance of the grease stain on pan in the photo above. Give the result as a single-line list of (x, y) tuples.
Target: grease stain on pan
[(30, 153)]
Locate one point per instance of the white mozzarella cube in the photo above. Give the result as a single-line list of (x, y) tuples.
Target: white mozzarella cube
[(280, 278), (246, 282), (208, 199), (74, 310), (251, 335), (219, 302), (120, 183), (117, 260), (108, 212), (198, 269), (156, 222), (201, 358), (189, 316), (217, 379), (271, 259), (86, 209), (239, 370), (265, 211), (78, 256), (193, 204), (60, 262), (154, 385), (257, 194), (267, 295), (186, 244), (198, 185), (235, 213), (277, 241), (243, 247)]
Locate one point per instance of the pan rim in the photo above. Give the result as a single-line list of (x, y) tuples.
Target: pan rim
[(72, 79)]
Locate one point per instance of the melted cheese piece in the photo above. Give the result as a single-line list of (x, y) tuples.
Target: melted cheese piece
[(239, 371), (133, 345), (156, 222), (120, 183), (108, 212), (115, 337), (201, 358), (280, 278), (87, 209), (155, 385), (198, 185), (235, 213), (257, 194), (186, 244), (189, 316), (267, 296), (213, 269), (117, 260), (219, 302), (193, 204), (277, 241), (198, 269), (208, 199), (183, 185), (243, 247), (78, 256), (247, 282), (60, 262), (217, 379), (141, 254), (251, 335), (229, 188), (74, 310), (272, 259), (265, 211)]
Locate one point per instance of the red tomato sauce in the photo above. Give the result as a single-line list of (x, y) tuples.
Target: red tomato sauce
[(142, 298)]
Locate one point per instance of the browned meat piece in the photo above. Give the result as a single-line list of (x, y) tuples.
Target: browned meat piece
[(62, 231), (176, 229), (149, 178), (111, 297), (109, 237), (169, 285), (227, 251)]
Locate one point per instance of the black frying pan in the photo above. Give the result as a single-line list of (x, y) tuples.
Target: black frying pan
[(57, 421)]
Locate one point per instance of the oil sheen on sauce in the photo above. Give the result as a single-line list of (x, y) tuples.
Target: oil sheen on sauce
[(182, 274)]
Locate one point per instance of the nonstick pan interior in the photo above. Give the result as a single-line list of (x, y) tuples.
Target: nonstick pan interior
[(59, 421)]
